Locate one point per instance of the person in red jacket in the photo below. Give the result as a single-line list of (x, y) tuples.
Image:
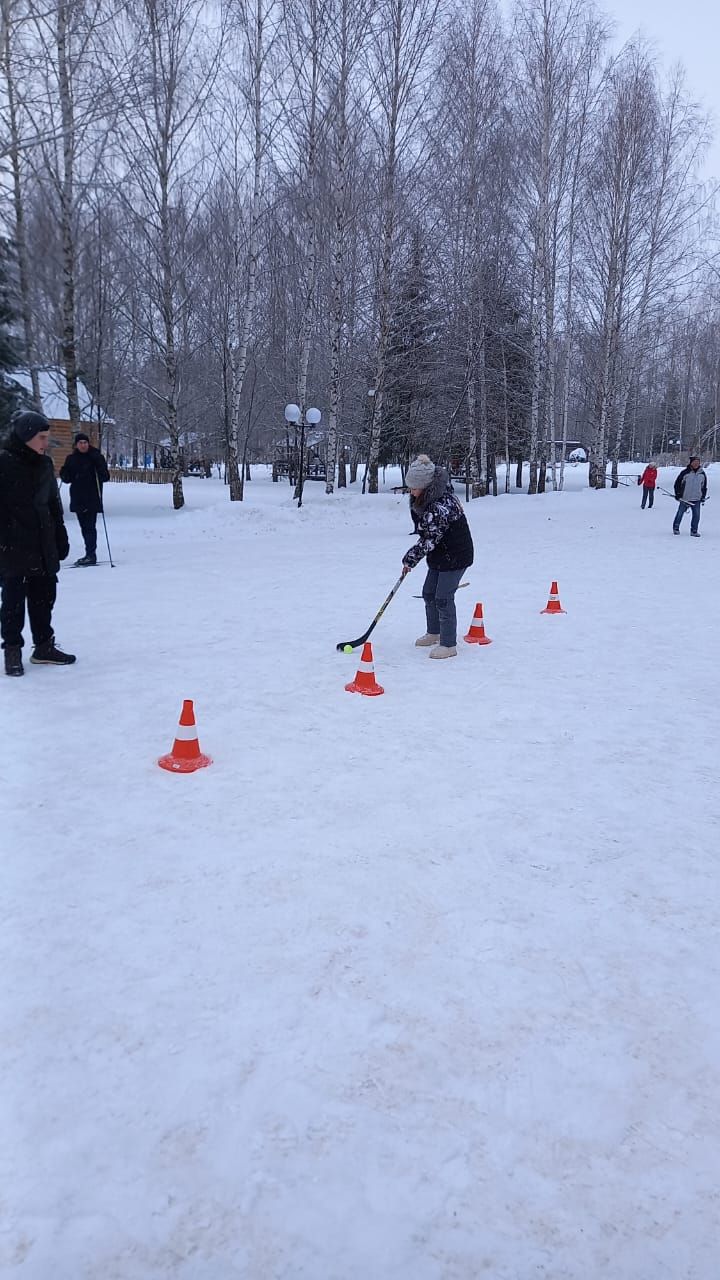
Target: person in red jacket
[(648, 481)]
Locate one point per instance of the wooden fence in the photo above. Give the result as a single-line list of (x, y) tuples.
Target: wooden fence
[(140, 475)]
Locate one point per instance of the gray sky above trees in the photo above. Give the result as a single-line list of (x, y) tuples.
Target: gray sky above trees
[(685, 31)]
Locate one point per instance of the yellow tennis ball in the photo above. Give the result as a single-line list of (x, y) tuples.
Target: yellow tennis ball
[(347, 648)]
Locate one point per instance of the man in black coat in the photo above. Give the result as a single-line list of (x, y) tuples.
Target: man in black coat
[(86, 471), (33, 541)]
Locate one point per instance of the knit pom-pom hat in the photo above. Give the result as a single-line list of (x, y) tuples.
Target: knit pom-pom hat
[(420, 472)]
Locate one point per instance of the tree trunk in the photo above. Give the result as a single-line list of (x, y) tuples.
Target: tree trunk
[(68, 346), (337, 317), (482, 405), (26, 314), (506, 419), (245, 310), (534, 404), (472, 473)]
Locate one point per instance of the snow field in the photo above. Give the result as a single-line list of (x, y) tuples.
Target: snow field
[(419, 987)]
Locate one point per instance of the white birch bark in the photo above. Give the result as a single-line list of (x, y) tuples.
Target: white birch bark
[(171, 71), (405, 31), (245, 293), (350, 22), (14, 156)]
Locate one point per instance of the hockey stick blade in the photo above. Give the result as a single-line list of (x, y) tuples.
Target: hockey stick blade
[(352, 644), (355, 644)]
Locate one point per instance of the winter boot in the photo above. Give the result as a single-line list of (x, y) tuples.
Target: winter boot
[(443, 651), (675, 530), (49, 655), (423, 642), (13, 661), (85, 561), (694, 535)]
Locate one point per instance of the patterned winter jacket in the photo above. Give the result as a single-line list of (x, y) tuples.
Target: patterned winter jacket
[(442, 529)]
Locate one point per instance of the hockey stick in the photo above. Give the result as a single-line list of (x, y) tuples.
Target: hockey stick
[(675, 498), (461, 584), (355, 644)]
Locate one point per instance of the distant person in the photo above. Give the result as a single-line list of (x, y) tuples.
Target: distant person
[(85, 471), (33, 541), (444, 537), (691, 492), (648, 481)]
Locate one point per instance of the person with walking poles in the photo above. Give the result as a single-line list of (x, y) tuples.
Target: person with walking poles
[(33, 541), (444, 538), (691, 492), (85, 471), (648, 480)]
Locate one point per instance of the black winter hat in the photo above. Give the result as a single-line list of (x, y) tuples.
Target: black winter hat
[(80, 435), (28, 424)]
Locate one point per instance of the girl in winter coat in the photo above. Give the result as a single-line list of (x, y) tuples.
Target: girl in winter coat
[(648, 481), (444, 538)]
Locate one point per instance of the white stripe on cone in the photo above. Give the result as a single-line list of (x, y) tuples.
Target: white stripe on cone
[(186, 733)]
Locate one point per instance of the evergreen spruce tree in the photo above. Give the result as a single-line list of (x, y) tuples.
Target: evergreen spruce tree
[(411, 363), (11, 397)]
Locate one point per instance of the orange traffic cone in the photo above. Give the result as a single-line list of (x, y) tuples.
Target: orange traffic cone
[(185, 756), (553, 604), (476, 634), (365, 681)]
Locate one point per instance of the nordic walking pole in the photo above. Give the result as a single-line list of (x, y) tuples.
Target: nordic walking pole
[(355, 644), (102, 513)]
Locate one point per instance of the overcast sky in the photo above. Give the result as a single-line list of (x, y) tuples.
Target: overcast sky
[(686, 31)]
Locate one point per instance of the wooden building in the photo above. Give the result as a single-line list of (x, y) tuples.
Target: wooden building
[(53, 394)]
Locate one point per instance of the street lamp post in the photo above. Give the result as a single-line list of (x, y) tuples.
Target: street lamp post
[(294, 414)]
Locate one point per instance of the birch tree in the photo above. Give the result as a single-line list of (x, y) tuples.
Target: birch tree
[(172, 68), (349, 24), (665, 251), (257, 35), (552, 58), (472, 153), (12, 64), (307, 31), (403, 35), (619, 195), (65, 39)]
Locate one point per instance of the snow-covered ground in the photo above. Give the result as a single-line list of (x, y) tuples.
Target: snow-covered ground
[(420, 987)]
